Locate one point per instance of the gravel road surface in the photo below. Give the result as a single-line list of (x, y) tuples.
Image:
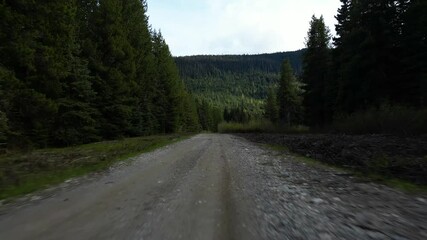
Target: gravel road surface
[(216, 187)]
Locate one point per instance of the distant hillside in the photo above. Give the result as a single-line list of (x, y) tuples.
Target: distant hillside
[(234, 80)]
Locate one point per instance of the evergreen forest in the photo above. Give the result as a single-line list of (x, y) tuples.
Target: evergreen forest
[(235, 83), (80, 71), (371, 76)]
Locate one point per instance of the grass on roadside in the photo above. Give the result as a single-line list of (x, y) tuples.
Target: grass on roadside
[(22, 173), (259, 126), (400, 184)]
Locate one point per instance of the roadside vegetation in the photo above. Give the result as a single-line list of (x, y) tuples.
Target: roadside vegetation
[(22, 173), (397, 120), (259, 126)]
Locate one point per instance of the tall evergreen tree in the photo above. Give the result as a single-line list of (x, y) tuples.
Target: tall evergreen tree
[(271, 106), (41, 49), (289, 96), (166, 86), (320, 92), (114, 70), (75, 122), (414, 54), (189, 114), (140, 38), (367, 51)]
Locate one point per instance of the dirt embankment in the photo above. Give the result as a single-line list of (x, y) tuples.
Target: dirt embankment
[(391, 156)]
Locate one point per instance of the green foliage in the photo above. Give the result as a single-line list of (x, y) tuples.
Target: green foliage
[(319, 97), (235, 81), (289, 96), (387, 119), (238, 115), (379, 57), (169, 89), (31, 117), (209, 116), (256, 126), (370, 53), (189, 114), (259, 126), (271, 106), (84, 70)]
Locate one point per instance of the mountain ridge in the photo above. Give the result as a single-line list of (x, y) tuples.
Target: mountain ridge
[(230, 81)]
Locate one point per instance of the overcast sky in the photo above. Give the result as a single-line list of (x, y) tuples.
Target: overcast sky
[(193, 27)]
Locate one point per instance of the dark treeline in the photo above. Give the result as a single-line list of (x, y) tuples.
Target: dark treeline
[(235, 81), (378, 58), (205, 65), (78, 71), (371, 79), (209, 116)]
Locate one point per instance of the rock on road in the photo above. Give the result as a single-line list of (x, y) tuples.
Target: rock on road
[(217, 187)]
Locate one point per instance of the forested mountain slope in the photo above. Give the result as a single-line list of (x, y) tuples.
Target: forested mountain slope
[(235, 80)]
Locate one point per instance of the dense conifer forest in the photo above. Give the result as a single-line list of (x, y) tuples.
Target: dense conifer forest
[(372, 76), (79, 71), (369, 78), (233, 82)]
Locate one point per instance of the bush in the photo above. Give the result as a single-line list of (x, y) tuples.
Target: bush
[(387, 119), (259, 126)]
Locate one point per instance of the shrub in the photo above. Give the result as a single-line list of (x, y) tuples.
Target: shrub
[(387, 119), (259, 126)]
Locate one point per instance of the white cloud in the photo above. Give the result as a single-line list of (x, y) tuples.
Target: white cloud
[(237, 26)]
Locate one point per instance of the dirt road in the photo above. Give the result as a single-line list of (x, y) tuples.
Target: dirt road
[(217, 187)]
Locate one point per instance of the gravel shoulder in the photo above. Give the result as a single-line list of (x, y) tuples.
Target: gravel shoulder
[(217, 187)]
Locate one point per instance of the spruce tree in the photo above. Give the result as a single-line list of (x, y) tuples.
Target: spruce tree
[(41, 50), (271, 106), (414, 54), (367, 54), (168, 89), (114, 71), (289, 96), (189, 114), (320, 94), (140, 38)]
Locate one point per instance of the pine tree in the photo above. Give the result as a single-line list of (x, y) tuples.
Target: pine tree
[(189, 114), (75, 122), (82, 70), (414, 53), (320, 94), (367, 54), (113, 69), (41, 50), (271, 106), (289, 96), (140, 38)]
